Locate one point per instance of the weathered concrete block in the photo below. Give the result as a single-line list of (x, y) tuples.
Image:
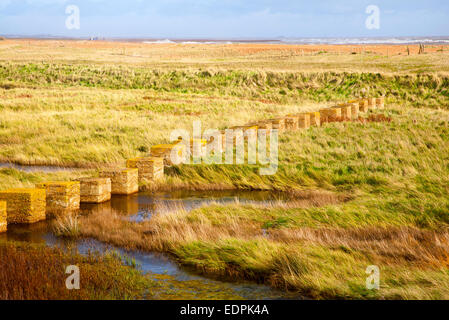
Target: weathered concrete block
[(3, 217), (330, 114), (95, 190), (315, 119), (346, 111), (278, 123), (245, 127), (363, 105), (167, 151), (291, 123), (246, 130), (380, 102), (303, 120), (24, 205), (123, 180), (371, 103), (354, 109), (198, 147), (150, 168), (264, 125), (62, 196)]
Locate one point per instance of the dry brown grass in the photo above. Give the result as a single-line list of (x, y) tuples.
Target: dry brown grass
[(360, 58), (320, 263), (386, 245), (173, 227), (66, 225), (38, 273)]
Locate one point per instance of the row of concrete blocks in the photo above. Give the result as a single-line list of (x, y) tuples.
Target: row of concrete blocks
[(176, 150), (346, 111), (53, 198)]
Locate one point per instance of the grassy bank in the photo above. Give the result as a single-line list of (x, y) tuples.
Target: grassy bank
[(13, 178), (276, 87), (71, 124)]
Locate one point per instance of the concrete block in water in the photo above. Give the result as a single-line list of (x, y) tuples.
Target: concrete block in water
[(246, 129), (150, 168), (123, 180), (264, 125), (95, 190), (24, 205), (62, 196), (251, 126)]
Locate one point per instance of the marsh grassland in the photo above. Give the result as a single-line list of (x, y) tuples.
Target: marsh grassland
[(377, 192)]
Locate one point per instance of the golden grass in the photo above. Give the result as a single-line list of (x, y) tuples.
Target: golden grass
[(109, 126), (66, 226)]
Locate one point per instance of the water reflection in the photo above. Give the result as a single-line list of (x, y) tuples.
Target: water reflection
[(27, 168), (180, 281), (142, 206)]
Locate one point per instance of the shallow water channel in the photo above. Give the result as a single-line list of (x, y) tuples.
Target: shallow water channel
[(177, 282), (36, 168)]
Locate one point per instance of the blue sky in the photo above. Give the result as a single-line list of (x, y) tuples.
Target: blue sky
[(225, 18)]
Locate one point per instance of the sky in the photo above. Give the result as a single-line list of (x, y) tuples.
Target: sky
[(224, 19)]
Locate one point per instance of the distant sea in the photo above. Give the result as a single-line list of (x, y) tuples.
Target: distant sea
[(335, 41), (280, 40)]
